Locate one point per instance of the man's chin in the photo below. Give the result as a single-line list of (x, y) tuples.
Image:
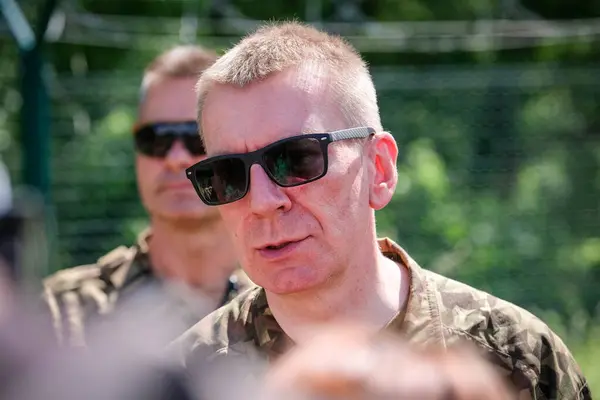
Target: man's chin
[(186, 216), (293, 282)]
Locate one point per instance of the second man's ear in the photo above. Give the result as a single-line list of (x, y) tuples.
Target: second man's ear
[(383, 153)]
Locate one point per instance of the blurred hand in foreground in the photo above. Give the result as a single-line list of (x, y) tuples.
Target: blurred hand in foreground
[(349, 362)]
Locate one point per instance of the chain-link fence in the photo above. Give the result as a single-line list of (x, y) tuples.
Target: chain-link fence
[(504, 130), (499, 166), (496, 162)]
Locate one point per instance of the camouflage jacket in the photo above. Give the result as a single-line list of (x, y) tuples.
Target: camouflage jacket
[(439, 311), (75, 296)]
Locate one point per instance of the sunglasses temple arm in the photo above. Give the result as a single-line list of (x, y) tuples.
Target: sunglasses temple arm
[(352, 133)]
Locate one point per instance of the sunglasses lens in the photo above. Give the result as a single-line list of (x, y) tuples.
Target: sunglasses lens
[(290, 163), (221, 181), (295, 161), (149, 143), (156, 140), (194, 145)]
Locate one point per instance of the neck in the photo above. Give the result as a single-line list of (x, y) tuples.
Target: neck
[(200, 255), (372, 292)]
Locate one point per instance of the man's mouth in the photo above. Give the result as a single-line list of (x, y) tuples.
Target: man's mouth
[(280, 250), (183, 185), (277, 247)]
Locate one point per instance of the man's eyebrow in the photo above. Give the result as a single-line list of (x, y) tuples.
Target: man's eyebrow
[(220, 153), (309, 131), (225, 153), (288, 133)]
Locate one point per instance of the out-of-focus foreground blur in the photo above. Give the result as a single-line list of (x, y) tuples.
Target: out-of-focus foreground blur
[(494, 104)]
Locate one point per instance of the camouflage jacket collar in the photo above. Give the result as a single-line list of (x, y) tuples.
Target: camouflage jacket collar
[(125, 266), (420, 321), (268, 335), (138, 270), (140, 261)]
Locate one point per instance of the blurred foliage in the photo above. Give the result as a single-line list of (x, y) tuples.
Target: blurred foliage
[(97, 170), (499, 168)]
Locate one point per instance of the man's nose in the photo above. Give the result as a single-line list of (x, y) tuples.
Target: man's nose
[(178, 157), (266, 197)]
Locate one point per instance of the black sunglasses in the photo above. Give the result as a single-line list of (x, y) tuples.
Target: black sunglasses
[(155, 140), (288, 162)]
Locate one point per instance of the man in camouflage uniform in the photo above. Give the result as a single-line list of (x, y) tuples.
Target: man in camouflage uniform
[(303, 220), (186, 250)]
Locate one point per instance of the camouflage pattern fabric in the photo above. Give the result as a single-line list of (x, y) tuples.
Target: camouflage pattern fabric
[(76, 296), (440, 311)]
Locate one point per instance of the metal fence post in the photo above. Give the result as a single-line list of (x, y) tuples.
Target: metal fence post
[(35, 123), (35, 110), (35, 113)]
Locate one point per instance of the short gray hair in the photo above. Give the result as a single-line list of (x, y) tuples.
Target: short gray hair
[(182, 61), (278, 46)]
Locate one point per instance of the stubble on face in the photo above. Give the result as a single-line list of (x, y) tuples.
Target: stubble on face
[(327, 211), (164, 189)]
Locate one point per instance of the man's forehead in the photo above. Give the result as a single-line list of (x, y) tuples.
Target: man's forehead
[(310, 77), (168, 100), (238, 120), (234, 144)]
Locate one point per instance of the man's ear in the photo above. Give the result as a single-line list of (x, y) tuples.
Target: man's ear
[(383, 153)]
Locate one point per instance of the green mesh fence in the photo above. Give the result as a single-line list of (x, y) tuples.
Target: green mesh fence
[(499, 174)]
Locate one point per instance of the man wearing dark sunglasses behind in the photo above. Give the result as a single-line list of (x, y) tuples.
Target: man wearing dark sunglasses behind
[(298, 163), (187, 247)]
